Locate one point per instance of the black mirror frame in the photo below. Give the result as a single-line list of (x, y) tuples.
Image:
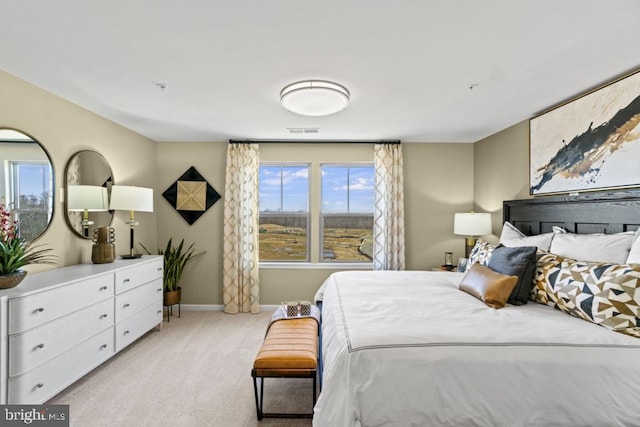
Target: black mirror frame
[(66, 186), (53, 178)]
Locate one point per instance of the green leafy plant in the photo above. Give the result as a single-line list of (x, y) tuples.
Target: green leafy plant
[(15, 251), (176, 259)]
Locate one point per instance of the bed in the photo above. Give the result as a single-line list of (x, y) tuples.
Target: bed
[(410, 349)]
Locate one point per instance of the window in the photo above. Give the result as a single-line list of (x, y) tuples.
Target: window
[(316, 212), (347, 213), (30, 200), (284, 212)]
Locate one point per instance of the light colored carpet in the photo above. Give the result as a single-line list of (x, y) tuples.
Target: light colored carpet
[(196, 371)]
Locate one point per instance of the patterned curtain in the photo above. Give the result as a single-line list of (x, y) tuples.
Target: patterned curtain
[(240, 248), (388, 212), (73, 178)]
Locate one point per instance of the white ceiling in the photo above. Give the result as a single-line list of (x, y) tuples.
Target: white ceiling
[(407, 63)]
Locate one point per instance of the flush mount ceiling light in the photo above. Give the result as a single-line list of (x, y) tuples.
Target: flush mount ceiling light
[(314, 97)]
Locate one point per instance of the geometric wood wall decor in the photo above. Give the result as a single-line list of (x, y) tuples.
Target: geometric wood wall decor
[(191, 195)]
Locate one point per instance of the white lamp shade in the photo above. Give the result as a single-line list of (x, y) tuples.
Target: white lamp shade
[(91, 198), (472, 224), (129, 198)]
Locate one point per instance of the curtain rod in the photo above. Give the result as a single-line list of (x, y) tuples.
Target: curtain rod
[(294, 141)]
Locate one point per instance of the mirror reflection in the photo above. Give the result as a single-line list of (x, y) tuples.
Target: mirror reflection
[(88, 184), (26, 182)]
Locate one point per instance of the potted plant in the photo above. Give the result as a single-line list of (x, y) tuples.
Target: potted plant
[(16, 252), (176, 259)]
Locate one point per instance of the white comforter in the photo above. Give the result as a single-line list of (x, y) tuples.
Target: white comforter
[(410, 349)]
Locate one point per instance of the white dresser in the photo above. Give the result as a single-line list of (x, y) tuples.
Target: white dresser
[(58, 325)]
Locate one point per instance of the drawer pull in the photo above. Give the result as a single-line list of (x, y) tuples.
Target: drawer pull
[(159, 290), (104, 316), (126, 333), (39, 310), (126, 305), (159, 269), (41, 345), (126, 281), (103, 346), (39, 385), (104, 288), (159, 311)]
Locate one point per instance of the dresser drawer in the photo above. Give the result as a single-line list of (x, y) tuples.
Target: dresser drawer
[(45, 381), (34, 310), (135, 326), (132, 301), (129, 278), (34, 347)]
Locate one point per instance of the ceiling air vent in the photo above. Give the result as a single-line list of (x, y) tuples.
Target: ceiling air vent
[(303, 130)]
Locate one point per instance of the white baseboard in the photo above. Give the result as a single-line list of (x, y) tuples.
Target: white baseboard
[(219, 307), (201, 307)]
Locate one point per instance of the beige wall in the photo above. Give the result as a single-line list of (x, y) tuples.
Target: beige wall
[(438, 183), (64, 128), (501, 171), (202, 280)]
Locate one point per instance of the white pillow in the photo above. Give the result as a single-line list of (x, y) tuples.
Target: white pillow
[(634, 252), (513, 237), (593, 247)]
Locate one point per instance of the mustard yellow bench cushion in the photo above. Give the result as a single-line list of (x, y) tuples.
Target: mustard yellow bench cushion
[(289, 349)]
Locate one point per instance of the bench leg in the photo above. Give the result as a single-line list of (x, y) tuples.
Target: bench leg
[(259, 398), (314, 389)]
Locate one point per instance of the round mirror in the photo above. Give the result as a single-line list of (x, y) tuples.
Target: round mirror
[(88, 181), (26, 182)]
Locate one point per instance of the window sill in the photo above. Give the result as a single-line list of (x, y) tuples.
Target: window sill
[(316, 266)]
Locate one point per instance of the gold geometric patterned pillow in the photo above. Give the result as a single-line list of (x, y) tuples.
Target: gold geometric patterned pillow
[(606, 294), (480, 253)]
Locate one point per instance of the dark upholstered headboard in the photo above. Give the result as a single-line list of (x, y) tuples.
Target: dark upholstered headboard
[(611, 212)]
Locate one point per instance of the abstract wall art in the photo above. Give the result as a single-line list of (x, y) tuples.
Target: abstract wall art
[(590, 143), (191, 195)]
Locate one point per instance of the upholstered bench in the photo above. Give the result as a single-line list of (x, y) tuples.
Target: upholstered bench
[(290, 350)]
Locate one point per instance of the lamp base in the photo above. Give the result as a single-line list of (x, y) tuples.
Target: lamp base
[(469, 243), (134, 256)]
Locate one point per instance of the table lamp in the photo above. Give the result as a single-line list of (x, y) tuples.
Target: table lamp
[(87, 198), (132, 199), (471, 224)]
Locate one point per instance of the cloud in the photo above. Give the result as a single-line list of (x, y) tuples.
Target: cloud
[(274, 176), (359, 184)]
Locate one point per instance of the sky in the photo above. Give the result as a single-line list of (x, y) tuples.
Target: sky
[(344, 189)]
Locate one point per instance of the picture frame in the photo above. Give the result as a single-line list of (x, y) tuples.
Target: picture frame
[(589, 143), (462, 264)]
